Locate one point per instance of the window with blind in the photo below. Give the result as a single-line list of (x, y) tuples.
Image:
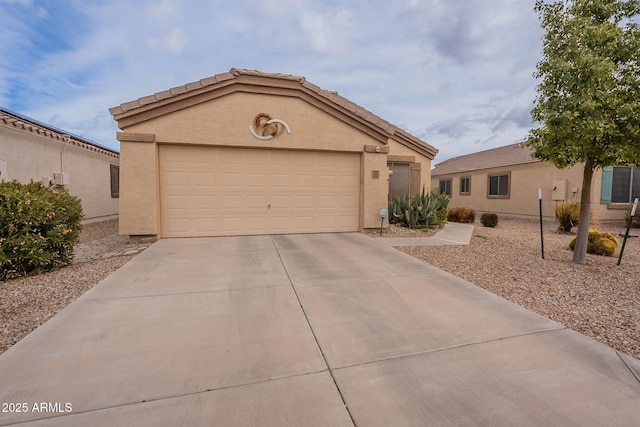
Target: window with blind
[(499, 185)]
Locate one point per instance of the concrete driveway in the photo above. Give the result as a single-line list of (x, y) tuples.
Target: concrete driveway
[(325, 329)]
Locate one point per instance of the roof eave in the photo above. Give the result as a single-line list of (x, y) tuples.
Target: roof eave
[(435, 172)]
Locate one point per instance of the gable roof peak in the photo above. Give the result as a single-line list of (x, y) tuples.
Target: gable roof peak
[(204, 88)]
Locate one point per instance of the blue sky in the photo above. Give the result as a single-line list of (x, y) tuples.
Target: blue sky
[(457, 74)]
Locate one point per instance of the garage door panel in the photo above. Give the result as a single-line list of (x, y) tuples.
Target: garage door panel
[(304, 181), (303, 202), (206, 224), (326, 202), (280, 181), (180, 226), (205, 179), (281, 202), (347, 203), (225, 157), (205, 202), (257, 180), (176, 154), (232, 179), (257, 224), (232, 225), (216, 191), (230, 203), (348, 181), (202, 160), (256, 202), (254, 157), (327, 182), (280, 159), (177, 178), (177, 202)]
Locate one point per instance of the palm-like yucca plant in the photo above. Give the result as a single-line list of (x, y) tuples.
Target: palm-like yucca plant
[(567, 215)]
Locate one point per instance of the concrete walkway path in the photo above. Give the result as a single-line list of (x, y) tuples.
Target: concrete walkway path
[(452, 233), (319, 330)]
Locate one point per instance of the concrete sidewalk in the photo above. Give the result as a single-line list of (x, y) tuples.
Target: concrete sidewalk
[(452, 233), (324, 329)]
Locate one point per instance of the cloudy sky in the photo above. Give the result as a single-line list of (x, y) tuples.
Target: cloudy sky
[(457, 74)]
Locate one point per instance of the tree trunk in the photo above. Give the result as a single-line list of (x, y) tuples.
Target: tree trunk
[(580, 249)]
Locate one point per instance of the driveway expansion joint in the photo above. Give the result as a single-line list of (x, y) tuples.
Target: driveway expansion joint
[(313, 333), (215, 291), (631, 370), (455, 347), (176, 396)]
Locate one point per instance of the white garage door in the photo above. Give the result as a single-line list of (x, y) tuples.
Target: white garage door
[(215, 191)]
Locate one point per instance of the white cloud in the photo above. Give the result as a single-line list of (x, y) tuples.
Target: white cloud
[(455, 73), (173, 42), (327, 32)]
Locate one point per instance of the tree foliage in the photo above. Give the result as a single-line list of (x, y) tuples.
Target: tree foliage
[(588, 103)]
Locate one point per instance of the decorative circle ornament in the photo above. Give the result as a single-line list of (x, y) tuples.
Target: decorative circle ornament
[(264, 127)]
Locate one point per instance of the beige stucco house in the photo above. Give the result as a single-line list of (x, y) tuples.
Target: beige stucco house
[(31, 150), (247, 152), (506, 180)]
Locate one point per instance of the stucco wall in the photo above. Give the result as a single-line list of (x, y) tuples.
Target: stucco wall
[(226, 120), (30, 156), (139, 201), (525, 181), (374, 189)]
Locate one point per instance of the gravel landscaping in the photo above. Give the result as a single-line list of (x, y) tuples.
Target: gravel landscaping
[(28, 302), (598, 299)]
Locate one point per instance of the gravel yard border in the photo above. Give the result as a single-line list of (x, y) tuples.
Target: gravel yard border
[(28, 302), (598, 299)]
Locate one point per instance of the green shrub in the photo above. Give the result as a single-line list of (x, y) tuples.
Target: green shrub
[(425, 210), (489, 219), (38, 227), (567, 215), (599, 243), (462, 215)]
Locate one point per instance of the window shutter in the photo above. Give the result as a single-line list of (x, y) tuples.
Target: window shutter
[(607, 185)]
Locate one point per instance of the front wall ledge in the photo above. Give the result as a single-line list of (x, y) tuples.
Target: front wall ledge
[(401, 159), (135, 137), (376, 149), (619, 206)]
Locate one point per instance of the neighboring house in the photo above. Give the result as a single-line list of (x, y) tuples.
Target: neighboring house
[(30, 150), (505, 181), (247, 152)]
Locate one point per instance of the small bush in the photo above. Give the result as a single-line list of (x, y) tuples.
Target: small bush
[(38, 227), (489, 219), (599, 243), (567, 215), (462, 215)]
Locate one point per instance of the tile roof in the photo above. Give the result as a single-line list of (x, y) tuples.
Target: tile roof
[(329, 97), (19, 121), (514, 154)]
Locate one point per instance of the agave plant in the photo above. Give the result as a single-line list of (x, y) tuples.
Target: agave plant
[(427, 209)]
